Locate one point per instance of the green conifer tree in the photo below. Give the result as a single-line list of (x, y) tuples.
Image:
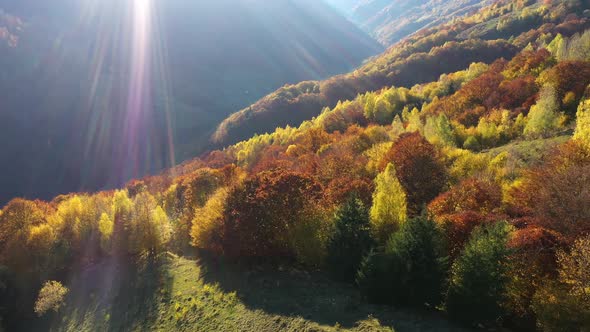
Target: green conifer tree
[(351, 240)]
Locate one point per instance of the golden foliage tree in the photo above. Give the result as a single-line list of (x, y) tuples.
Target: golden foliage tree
[(16, 221), (582, 133), (151, 229), (543, 116), (389, 208), (51, 297), (208, 222)]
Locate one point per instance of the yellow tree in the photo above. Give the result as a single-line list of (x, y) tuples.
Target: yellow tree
[(543, 117), (389, 208), (414, 121), (150, 228), (575, 268), (122, 209), (39, 248), (68, 221), (105, 227), (159, 233), (582, 133), (208, 220), (16, 221), (51, 297)]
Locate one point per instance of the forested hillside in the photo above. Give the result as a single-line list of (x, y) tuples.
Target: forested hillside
[(442, 186), (162, 74), (418, 59), (391, 20)]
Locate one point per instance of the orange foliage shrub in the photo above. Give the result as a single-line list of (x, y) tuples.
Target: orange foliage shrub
[(470, 195), (533, 260), (341, 188), (558, 192), (419, 169), (566, 77), (261, 212), (458, 227), (537, 245)]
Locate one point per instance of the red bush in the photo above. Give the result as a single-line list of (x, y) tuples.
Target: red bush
[(260, 212), (537, 245), (458, 228), (557, 193), (470, 195), (419, 169)]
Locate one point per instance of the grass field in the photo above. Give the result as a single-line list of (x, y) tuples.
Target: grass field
[(531, 152), (181, 294)]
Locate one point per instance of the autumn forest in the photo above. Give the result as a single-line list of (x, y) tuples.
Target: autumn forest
[(448, 176)]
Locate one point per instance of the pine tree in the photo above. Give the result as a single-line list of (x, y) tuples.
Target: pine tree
[(471, 143), (557, 47), (419, 255), (374, 277), (479, 276), (351, 239), (411, 270)]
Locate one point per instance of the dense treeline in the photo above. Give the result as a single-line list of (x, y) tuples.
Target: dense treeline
[(468, 194), (421, 58), (292, 104)]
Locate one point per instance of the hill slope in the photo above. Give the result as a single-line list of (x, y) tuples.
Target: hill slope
[(391, 20), (418, 59), (90, 86), (181, 294)]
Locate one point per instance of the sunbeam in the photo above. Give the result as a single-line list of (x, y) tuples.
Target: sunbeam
[(138, 99)]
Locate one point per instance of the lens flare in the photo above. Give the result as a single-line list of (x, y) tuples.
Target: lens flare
[(128, 90), (138, 102)]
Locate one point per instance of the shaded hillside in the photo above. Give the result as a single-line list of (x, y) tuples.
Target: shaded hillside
[(97, 92), (392, 20), (420, 58), (389, 21), (291, 105)]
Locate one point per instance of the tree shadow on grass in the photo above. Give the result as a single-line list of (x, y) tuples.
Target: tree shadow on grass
[(116, 296), (145, 286), (312, 296)]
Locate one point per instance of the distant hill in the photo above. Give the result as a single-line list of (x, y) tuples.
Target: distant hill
[(391, 20), (344, 6), (94, 93), (420, 58)]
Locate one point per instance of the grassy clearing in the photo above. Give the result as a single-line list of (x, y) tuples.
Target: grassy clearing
[(180, 294), (525, 154)]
